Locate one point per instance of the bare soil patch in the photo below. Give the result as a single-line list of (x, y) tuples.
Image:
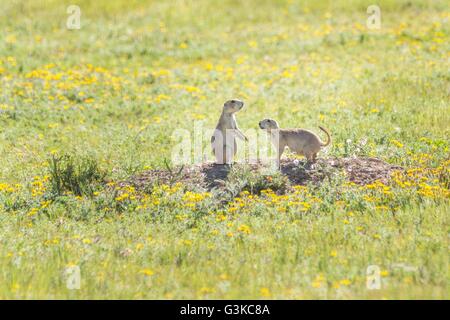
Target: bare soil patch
[(207, 176)]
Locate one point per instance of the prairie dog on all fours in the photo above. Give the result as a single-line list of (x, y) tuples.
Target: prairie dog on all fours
[(223, 141), (301, 141)]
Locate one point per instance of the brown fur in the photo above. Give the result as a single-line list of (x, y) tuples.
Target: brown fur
[(301, 141)]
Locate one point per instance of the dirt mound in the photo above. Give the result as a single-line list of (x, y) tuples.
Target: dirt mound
[(209, 175)]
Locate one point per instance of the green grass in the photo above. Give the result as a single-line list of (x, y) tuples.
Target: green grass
[(108, 97)]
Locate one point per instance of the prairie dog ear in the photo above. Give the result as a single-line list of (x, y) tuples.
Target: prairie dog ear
[(274, 122)]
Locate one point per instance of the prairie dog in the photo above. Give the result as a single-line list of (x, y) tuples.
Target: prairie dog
[(223, 141), (301, 141)]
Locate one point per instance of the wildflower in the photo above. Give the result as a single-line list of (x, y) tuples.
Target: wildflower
[(232, 209), (186, 242), (244, 229), (265, 292), (221, 217), (223, 276), (162, 97), (318, 281), (181, 217), (45, 204), (147, 272), (206, 290), (122, 197), (345, 282), (32, 212), (252, 44), (397, 143)]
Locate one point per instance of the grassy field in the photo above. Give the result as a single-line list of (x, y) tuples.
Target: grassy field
[(83, 109)]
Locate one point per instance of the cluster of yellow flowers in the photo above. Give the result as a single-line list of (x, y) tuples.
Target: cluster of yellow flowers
[(420, 181), (425, 180), (5, 187), (39, 185), (190, 199), (126, 193)]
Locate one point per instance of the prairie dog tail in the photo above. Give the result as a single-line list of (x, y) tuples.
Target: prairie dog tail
[(328, 137)]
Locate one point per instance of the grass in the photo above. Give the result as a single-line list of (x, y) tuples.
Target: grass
[(106, 100), (70, 174)]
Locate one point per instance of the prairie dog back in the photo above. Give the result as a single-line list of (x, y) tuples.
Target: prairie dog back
[(301, 141)]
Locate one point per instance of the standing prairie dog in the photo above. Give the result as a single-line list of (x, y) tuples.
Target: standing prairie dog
[(223, 141), (301, 141)]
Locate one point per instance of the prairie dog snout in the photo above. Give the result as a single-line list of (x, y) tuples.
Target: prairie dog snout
[(301, 141), (223, 141), (268, 124)]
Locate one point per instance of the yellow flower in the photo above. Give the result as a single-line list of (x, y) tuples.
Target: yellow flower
[(244, 229), (186, 242), (345, 282), (15, 287), (397, 143), (221, 217), (206, 290), (318, 281), (147, 272), (223, 276), (162, 97), (287, 74), (265, 292), (253, 44), (32, 212), (122, 197)]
